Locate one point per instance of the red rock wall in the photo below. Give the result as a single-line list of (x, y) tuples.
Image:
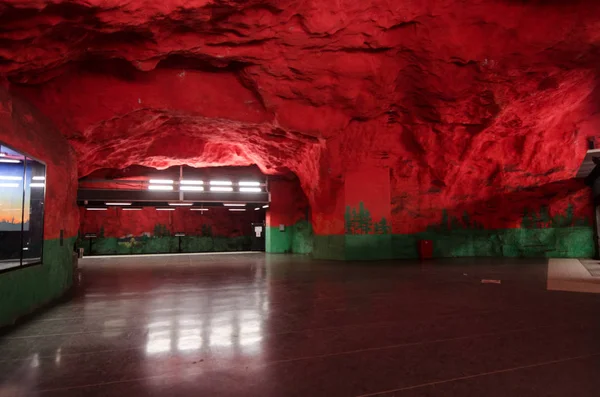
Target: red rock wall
[(118, 223), (288, 203), (479, 107)]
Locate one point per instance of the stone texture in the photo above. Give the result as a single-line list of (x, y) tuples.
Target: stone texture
[(465, 102)]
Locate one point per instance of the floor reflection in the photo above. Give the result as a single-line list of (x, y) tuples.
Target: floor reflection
[(282, 325)]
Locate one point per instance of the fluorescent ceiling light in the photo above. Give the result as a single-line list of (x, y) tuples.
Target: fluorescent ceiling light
[(237, 209), (132, 209), (39, 178), (162, 181), (117, 203), (37, 184), (221, 189), (188, 182), (250, 189), (160, 187), (221, 183), (165, 209), (199, 209), (257, 208), (266, 206), (10, 178), (191, 188), (234, 204), (9, 185), (181, 204), (249, 183), (96, 209), (10, 161)]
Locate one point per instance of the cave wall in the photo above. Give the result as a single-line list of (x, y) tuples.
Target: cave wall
[(551, 220), (152, 231), (25, 129), (479, 111), (288, 225)]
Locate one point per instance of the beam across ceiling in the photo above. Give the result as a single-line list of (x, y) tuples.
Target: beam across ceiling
[(148, 196)]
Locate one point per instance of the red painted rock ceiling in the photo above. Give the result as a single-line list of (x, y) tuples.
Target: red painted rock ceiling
[(462, 100)]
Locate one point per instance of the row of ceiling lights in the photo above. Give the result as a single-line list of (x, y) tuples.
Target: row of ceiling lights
[(15, 181), (198, 186), (127, 208), (4, 159)]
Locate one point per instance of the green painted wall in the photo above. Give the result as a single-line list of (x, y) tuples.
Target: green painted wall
[(297, 239), (542, 236), (277, 241), (164, 244), (571, 242), (329, 247), (568, 242), (24, 290)]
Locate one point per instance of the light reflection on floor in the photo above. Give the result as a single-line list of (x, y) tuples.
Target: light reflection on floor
[(268, 325)]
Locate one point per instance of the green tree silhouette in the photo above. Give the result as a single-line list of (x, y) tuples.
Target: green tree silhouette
[(206, 231), (348, 220), (466, 220), (384, 228), (569, 216), (444, 221), (455, 223), (544, 217), (365, 222), (354, 222), (377, 228)]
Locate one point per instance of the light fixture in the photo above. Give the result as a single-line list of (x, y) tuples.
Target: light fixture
[(10, 178), (96, 209), (249, 183), (160, 187), (37, 184), (250, 189), (165, 209), (257, 208), (39, 178), (181, 204), (221, 189), (117, 203), (188, 182), (191, 188), (2, 155), (266, 206), (10, 161), (162, 181), (132, 209), (9, 185), (199, 209), (221, 183), (234, 204), (237, 209)]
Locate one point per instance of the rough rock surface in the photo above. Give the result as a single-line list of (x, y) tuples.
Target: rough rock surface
[(464, 101)]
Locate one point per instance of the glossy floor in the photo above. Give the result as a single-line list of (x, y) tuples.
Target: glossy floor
[(256, 325)]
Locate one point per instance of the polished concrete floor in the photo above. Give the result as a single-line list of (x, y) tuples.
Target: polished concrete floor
[(256, 325)]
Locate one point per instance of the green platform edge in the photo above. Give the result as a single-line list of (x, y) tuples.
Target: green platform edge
[(24, 290)]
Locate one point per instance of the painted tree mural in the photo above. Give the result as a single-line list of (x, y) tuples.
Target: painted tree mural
[(361, 222), (541, 219)]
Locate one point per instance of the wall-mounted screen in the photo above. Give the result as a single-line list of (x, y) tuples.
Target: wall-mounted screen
[(22, 190)]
